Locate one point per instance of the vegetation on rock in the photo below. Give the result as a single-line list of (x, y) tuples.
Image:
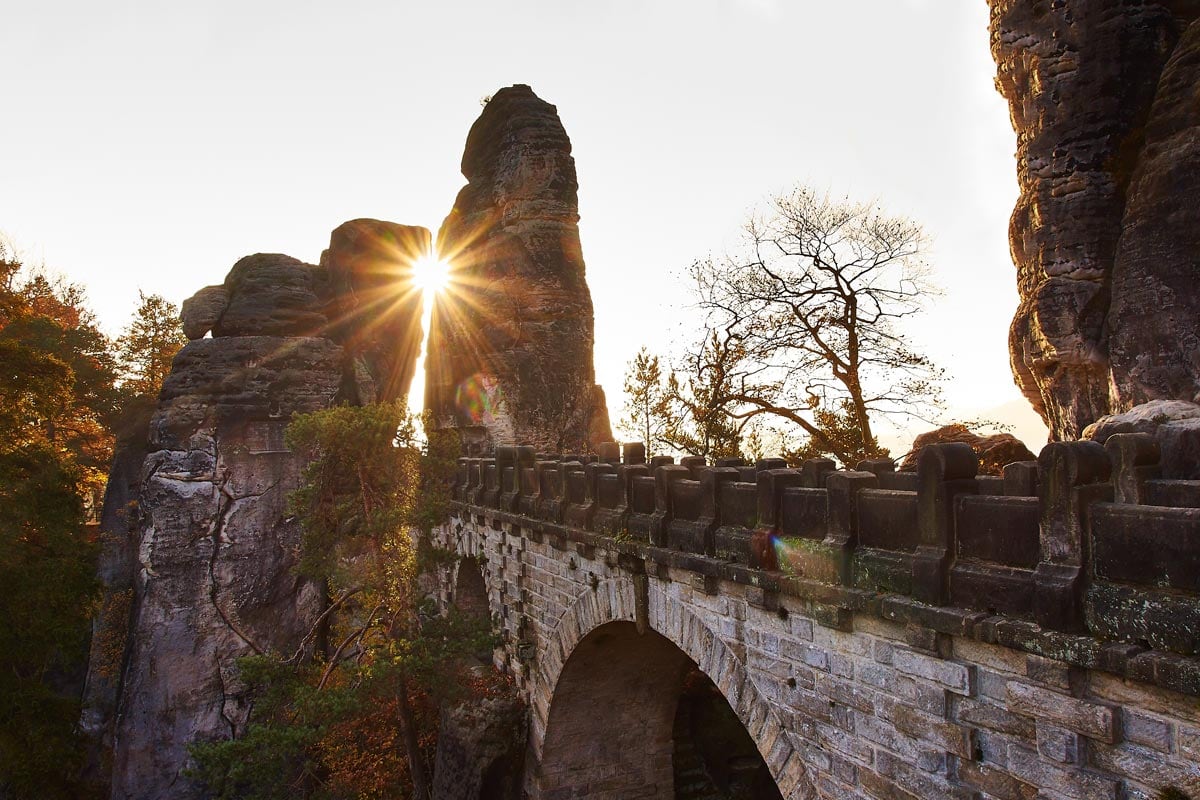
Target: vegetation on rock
[(353, 712)]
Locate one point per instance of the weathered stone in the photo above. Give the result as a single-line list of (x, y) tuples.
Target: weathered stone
[(1080, 77), (115, 571), (510, 355), (216, 579), (1175, 426), (1154, 339), (272, 295), (375, 309), (1089, 719), (994, 452), (480, 750), (201, 312), (217, 545)]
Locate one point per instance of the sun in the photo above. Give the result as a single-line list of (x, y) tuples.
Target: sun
[(430, 273)]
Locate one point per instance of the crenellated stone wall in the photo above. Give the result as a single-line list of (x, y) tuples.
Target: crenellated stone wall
[(880, 634)]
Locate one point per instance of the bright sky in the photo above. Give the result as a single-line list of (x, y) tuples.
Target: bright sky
[(151, 145)]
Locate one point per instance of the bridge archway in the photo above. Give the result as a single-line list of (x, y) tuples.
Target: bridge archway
[(470, 594), (614, 714)]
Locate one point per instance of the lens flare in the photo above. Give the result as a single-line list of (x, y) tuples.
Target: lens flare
[(476, 401)]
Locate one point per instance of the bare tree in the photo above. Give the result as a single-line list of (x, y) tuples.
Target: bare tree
[(812, 305)]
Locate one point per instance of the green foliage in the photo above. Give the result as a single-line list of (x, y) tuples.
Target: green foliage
[(148, 344), (271, 760), (369, 498), (697, 419), (57, 397), (361, 485), (47, 587), (647, 407), (840, 437)]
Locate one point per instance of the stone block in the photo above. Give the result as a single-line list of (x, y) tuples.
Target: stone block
[(948, 736), (1026, 765), (1142, 764), (1093, 720), (993, 782), (1048, 671), (955, 677), (1145, 730), (922, 784), (994, 718), (1188, 743), (1057, 744)]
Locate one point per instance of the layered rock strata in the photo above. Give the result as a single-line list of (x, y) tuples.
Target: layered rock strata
[(510, 351), (1103, 234), (216, 548)]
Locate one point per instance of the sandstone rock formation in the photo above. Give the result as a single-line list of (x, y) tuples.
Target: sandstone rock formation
[(116, 571), (510, 352), (480, 750), (201, 312), (216, 546), (1175, 426), (994, 451), (1154, 335), (375, 310), (1106, 220)]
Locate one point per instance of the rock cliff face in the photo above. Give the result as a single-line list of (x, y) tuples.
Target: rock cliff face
[(215, 546), (1104, 231), (115, 570), (376, 307), (1154, 335), (510, 352)]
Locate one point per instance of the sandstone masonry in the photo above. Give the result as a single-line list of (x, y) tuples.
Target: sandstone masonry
[(880, 634)]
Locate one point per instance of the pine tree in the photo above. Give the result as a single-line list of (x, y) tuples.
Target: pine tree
[(148, 344), (646, 408)]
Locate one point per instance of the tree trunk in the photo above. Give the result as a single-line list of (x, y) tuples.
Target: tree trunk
[(416, 764)]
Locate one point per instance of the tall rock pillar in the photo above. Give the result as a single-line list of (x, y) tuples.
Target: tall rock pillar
[(510, 349), (1081, 77)]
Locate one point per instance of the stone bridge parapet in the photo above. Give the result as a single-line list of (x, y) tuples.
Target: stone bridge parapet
[(878, 633)]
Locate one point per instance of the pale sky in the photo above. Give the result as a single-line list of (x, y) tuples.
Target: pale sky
[(150, 145)]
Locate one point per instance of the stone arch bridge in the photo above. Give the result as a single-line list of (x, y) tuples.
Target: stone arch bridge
[(869, 633)]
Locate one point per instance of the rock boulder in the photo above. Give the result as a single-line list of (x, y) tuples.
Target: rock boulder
[(1174, 424), (994, 452)]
